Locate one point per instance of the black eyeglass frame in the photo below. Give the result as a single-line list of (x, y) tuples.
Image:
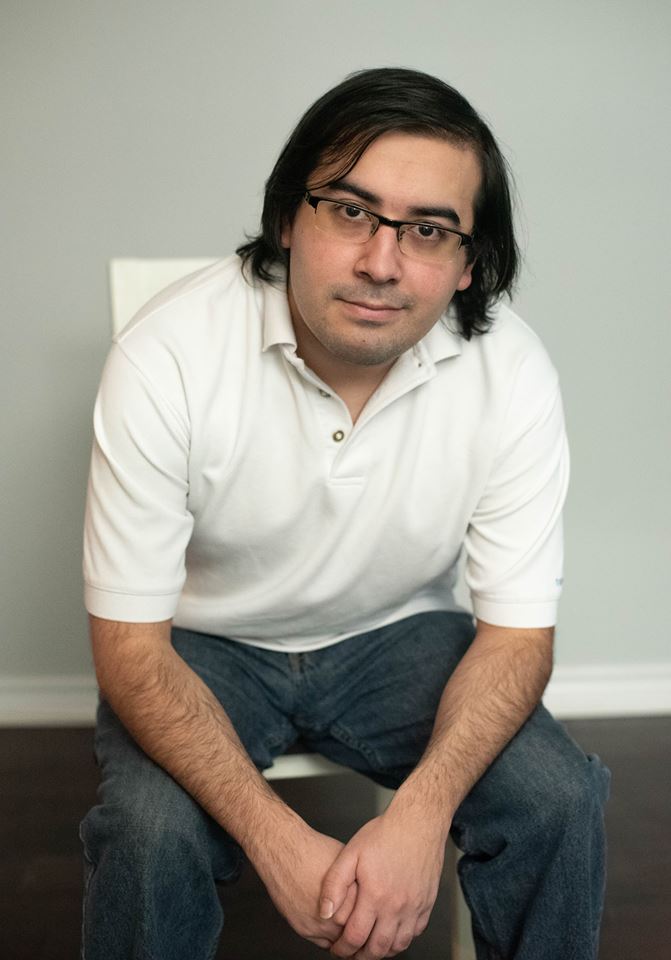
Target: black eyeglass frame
[(466, 239)]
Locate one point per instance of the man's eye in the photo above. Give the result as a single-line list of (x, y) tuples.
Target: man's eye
[(424, 231), (349, 212)]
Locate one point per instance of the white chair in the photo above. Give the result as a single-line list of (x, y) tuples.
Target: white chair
[(133, 281)]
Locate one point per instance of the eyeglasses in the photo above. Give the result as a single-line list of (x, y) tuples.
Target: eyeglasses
[(418, 240)]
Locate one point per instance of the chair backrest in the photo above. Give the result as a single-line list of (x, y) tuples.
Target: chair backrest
[(134, 280)]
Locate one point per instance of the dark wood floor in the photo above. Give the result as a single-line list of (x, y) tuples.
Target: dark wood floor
[(48, 779)]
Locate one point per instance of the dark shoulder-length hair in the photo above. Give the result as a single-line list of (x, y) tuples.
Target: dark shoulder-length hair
[(343, 123)]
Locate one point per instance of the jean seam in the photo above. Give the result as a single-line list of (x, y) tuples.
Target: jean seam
[(475, 915), (343, 735), (90, 867), (275, 746), (234, 873)]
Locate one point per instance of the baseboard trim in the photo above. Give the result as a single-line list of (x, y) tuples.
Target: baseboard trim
[(49, 701), (609, 690), (632, 689)]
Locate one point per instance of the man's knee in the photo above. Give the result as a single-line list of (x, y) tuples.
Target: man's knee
[(143, 833), (562, 805), (150, 877), (578, 796), (541, 789)]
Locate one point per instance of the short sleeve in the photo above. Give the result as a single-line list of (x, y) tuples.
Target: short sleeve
[(137, 524), (514, 545)]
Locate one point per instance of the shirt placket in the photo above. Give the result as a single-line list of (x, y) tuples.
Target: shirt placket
[(333, 419)]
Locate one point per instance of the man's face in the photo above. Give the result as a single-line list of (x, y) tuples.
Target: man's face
[(366, 304)]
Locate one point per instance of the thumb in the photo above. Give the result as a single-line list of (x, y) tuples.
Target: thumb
[(337, 880)]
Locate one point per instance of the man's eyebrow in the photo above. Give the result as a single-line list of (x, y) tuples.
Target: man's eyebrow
[(359, 192), (414, 213)]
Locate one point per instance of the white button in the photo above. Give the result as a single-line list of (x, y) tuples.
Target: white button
[(338, 436)]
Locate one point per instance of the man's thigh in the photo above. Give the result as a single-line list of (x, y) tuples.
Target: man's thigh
[(369, 702), (137, 797), (254, 686), (143, 814), (539, 780)]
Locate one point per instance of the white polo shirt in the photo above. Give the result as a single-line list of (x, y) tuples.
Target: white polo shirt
[(230, 491)]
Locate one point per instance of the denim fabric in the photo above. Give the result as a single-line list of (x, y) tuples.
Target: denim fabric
[(531, 829)]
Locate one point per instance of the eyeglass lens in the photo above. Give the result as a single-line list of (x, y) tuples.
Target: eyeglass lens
[(351, 223)]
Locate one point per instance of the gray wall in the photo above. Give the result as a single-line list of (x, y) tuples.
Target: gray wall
[(148, 128)]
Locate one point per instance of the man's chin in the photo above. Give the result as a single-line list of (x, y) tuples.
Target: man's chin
[(367, 355)]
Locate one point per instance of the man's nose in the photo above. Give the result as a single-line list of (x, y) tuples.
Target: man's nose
[(380, 258)]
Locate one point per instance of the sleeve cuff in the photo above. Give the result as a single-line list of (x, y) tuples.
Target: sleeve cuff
[(128, 608), (523, 615)]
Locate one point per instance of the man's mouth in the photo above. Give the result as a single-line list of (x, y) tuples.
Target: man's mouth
[(374, 306), (372, 309)]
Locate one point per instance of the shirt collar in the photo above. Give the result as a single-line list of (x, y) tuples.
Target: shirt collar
[(278, 328), (442, 341)]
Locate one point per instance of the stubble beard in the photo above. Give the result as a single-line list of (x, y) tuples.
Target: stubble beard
[(377, 344), (364, 353)]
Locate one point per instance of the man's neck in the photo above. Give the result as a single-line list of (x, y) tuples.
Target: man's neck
[(354, 383)]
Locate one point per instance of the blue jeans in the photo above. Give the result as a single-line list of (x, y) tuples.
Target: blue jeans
[(531, 829)]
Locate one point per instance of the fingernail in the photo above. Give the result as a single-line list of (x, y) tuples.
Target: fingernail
[(326, 910)]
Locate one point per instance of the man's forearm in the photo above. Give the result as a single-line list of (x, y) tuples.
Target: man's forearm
[(396, 859), (179, 723), (489, 696)]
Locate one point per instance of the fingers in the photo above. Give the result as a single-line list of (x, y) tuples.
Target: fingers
[(336, 884), (422, 922), (367, 937), (342, 915), (379, 943), (356, 932), (406, 933)]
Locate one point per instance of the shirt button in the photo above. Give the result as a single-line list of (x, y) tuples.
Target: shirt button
[(323, 393), (338, 436)]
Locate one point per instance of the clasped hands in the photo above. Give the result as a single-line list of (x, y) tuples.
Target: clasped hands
[(366, 899)]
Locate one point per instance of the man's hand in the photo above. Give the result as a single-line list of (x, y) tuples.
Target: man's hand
[(293, 873), (396, 859), (177, 720), (396, 863)]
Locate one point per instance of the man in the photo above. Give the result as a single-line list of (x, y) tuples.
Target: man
[(291, 449)]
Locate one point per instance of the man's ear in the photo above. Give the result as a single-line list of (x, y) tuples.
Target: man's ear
[(285, 235), (467, 276)]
